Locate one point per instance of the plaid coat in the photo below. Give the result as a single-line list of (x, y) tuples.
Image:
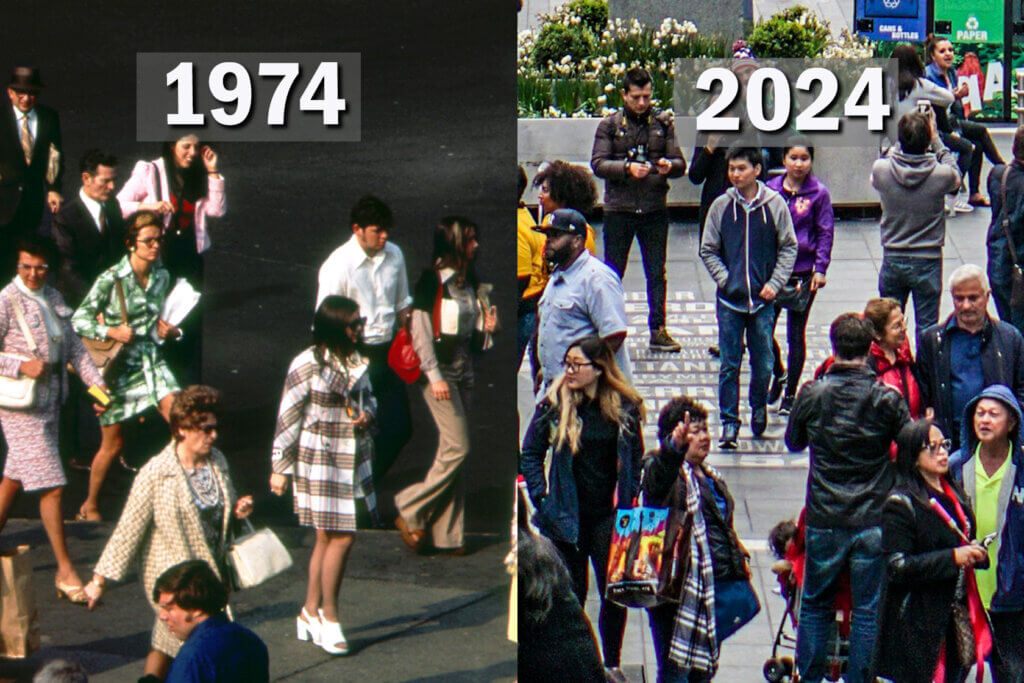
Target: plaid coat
[(160, 525), (316, 444)]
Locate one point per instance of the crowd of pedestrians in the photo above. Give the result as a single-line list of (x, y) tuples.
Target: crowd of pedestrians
[(914, 499)]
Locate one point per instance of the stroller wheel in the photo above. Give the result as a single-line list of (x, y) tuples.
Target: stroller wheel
[(774, 671)]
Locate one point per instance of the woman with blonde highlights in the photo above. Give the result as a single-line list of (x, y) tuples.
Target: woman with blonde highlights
[(591, 419)]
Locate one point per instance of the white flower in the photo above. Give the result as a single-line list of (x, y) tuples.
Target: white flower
[(609, 88), (602, 100), (566, 59)]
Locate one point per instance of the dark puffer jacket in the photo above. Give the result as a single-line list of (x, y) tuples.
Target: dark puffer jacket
[(848, 418), (727, 554)]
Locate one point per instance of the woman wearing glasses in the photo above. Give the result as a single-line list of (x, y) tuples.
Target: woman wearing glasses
[(135, 287), (323, 444), (890, 352), (928, 537), (591, 418)]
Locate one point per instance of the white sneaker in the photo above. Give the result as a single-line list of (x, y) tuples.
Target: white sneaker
[(308, 627), (962, 206)]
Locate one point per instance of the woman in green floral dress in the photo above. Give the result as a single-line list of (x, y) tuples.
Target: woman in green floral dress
[(141, 379)]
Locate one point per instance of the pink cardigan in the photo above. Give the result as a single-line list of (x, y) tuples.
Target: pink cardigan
[(142, 188)]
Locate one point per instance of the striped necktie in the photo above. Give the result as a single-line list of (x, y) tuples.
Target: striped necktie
[(26, 139)]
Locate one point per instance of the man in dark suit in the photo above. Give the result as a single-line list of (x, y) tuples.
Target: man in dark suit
[(30, 158), (89, 230)]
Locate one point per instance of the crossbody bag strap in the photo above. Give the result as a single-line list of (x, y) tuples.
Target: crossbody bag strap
[(20, 315), (1006, 217), (436, 318), (121, 300)]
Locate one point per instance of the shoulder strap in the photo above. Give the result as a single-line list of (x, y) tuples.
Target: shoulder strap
[(436, 320), (121, 300), (159, 184), (1006, 217), (20, 315)]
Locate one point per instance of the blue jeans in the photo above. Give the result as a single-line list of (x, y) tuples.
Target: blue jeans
[(902, 275), (732, 327), (526, 327), (829, 552), (662, 620)]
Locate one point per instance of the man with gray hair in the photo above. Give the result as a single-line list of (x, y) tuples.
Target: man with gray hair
[(958, 358)]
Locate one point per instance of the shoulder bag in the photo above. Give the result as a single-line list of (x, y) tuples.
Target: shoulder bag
[(402, 357), (105, 352), (1017, 275), (19, 393), (257, 556)]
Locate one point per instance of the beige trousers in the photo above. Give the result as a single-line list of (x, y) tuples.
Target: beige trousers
[(435, 505)]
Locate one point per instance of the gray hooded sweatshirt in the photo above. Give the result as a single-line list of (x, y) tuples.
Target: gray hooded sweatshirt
[(912, 188)]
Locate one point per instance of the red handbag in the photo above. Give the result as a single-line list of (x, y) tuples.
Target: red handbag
[(402, 357)]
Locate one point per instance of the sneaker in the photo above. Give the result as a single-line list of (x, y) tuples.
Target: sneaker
[(714, 352), (962, 206), (730, 435), (786, 407), (662, 341), (759, 422), (775, 390)]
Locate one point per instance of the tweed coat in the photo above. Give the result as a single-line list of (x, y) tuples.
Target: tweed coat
[(32, 455), (160, 526), (317, 444)]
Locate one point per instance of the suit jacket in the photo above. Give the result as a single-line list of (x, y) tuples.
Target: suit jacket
[(23, 186), (84, 252)]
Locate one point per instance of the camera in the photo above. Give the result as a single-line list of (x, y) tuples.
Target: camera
[(638, 155)]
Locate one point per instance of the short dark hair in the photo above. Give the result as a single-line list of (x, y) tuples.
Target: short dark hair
[(911, 440), (570, 186), (137, 222), (851, 336), (190, 404), (751, 154), (370, 210), (915, 132), (194, 586), (780, 536), (93, 159), (38, 245), (330, 321), (674, 412), (635, 77)]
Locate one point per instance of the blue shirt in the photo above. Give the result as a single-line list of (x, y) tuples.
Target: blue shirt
[(584, 299), (220, 651), (965, 371)]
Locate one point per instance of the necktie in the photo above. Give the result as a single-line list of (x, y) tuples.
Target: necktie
[(26, 139), (103, 222)]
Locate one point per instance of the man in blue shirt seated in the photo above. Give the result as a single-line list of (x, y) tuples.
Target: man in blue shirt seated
[(192, 601)]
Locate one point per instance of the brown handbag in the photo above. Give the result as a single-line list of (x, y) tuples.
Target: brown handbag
[(1017, 274), (106, 352)]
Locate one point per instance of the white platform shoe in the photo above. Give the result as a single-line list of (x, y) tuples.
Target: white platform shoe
[(308, 627), (332, 640)]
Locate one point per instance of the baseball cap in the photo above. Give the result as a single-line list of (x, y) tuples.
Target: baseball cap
[(566, 220)]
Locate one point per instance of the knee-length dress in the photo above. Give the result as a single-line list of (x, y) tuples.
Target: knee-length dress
[(32, 455), (315, 441), (143, 376)]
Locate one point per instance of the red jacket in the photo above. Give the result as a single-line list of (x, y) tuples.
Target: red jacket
[(899, 375)]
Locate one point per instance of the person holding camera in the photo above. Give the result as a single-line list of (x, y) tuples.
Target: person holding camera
[(636, 152)]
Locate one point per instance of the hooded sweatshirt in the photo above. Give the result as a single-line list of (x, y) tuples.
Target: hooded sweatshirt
[(813, 222), (748, 245), (912, 189), (1009, 595)]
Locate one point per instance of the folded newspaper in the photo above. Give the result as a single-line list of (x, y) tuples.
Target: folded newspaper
[(182, 299)]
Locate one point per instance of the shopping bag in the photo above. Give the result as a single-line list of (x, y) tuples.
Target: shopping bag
[(646, 561), (19, 625), (736, 604), (258, 556)]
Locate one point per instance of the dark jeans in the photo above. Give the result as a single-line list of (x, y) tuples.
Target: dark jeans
[(902, 275), (394, 426), (1007, 659), (796, 327), (651, 231), (526, 326), (662, 620), (1000, 275), (594, 544), (964, 153), (732, 327), (978, 134), (829, 552)]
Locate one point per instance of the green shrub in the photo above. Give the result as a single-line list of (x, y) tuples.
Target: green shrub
[(793, 32), (558, 40), (592, 13)]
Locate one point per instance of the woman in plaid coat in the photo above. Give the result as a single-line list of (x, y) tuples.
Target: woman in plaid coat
[(322, 442), (142, 378), (179, 509)]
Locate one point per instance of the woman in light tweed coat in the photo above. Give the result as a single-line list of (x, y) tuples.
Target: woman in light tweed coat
[(33, 461), (322, 441), (179, 509)]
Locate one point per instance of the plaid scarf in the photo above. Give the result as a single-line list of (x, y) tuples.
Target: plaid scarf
[(694, 641)]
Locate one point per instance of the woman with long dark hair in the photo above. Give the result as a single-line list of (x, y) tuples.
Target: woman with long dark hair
[(591, 419), (321, 441), (451, 315)]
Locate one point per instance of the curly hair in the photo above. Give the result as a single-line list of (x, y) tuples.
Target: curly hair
[(189, 407), (571, 187), (675, 411)]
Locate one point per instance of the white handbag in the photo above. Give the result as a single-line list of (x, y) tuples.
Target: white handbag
[(257, 556), (19, 393)]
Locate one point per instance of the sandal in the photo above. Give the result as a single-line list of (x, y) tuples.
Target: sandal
[(979, 200), (84, 516), (412, 537), (73, 594)]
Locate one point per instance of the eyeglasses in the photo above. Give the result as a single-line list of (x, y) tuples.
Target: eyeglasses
[(945, 445), (36, 269), (572, 367), (150, 241)]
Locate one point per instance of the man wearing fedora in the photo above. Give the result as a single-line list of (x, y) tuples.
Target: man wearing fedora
[(30, 158)]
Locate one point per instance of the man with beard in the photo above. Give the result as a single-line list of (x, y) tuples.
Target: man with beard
[(583, 297)]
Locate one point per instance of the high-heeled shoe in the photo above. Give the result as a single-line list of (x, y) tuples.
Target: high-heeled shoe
[(307, 627), (332, 640), (73, 594)]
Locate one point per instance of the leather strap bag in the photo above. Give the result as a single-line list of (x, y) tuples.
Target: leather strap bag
[(1017, 275), (19, 393), (105, 352)]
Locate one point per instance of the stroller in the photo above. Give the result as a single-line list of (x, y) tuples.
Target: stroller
[(787, 543)]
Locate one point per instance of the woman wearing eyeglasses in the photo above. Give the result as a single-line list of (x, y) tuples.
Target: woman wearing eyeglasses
[(591, 418), (323, 444), (928, 537), (141, 378), (890, 352)]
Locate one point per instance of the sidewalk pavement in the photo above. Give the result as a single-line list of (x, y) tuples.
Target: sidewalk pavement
[(406, 617)]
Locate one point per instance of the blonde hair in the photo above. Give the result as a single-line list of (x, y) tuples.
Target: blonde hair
[(612, 388)]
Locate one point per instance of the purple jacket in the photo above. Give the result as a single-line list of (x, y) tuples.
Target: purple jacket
[(813, 222)]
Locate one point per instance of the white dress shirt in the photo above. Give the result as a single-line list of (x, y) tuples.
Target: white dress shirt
[(92, 206), (379, 284)]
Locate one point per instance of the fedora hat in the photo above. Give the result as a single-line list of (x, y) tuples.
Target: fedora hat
[(26, 78)]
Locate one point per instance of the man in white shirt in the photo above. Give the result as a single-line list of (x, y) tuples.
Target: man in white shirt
[(370, 270)]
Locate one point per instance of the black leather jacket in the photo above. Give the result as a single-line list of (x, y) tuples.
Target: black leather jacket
[(849, 419)]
